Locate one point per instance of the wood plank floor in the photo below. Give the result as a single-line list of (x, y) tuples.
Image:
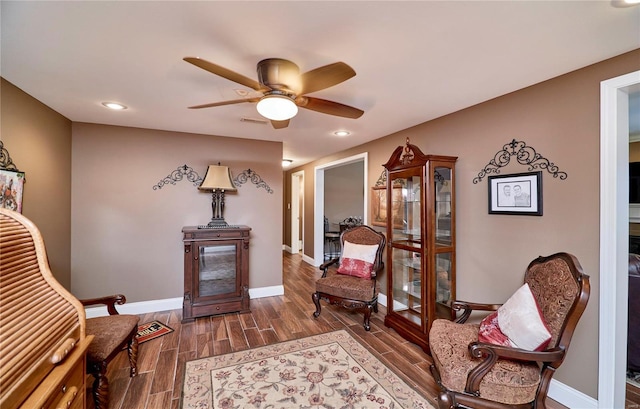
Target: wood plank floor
[(273, 319)]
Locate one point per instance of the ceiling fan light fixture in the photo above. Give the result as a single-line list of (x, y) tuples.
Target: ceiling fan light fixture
[(277, 107)]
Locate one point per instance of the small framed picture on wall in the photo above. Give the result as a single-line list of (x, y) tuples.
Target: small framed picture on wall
[(519, 194), (11, 186)]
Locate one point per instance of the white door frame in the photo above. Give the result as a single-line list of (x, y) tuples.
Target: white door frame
[(318, 207), (614, 238), (297, 179)]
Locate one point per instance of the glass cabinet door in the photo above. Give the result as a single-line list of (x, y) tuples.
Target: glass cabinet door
[(406, 247), (217, 270), (406, 206), (442, 179)]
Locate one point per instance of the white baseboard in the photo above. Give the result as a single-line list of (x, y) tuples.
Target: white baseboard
[(144, 307), (309, 260), (136, 308), (286, 248), (569, 397), (266, 291)]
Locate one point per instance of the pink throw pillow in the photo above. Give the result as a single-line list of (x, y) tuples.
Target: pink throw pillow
[(357, 259)]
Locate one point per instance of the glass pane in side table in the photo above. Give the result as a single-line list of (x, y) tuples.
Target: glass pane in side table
[(407, 284), (217, 270)]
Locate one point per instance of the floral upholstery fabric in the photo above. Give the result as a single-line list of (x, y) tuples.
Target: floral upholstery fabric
[(555, 290), (510, 382), (349, 287), (108, 332)]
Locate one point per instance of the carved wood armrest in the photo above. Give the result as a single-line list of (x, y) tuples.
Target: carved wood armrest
[(490, 354), (467, 307), (325, 266), (378, 270), (110, 301)]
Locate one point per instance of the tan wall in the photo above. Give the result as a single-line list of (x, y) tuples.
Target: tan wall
[(343, 193), (38, 140), (126, 236), (560, 119)]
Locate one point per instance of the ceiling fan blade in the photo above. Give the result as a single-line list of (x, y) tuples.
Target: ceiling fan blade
[(325, 77), (280, 124), (221, 103), (329, 107), (224, 72)]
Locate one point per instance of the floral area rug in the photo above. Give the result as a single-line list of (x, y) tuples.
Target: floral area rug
[(324, 371)]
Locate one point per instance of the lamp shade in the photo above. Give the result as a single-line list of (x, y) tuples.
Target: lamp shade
[(217, 177), (277, 107)]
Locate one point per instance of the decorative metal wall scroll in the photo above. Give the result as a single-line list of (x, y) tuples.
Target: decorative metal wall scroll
[(525, 155), (192, 176), (5, 159), (249, 174), (179, 174)]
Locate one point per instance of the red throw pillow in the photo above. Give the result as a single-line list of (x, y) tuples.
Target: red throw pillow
[(517, 323), (357, 259)]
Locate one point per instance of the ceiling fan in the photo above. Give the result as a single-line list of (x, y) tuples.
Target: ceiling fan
[(284, 89)]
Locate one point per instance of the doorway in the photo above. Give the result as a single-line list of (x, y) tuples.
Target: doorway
[(297, 212), (318, 208), (614, 237)]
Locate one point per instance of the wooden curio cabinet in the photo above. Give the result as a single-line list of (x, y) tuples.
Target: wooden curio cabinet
[(421, 241), (216, 271)]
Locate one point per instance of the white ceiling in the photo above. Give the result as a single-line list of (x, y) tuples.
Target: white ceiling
[(415, 61)]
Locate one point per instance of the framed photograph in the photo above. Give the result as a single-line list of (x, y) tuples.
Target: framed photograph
[(11, 186), (379, 206), (519, 193), (379, 212)]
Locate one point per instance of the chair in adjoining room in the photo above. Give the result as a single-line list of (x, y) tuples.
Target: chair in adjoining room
[(331, 241), (112, 333), (350, 280), (508, 360)]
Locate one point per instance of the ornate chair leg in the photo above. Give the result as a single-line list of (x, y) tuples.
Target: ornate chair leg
[(101, 387), (316, 301), (367, 316), (375, 307), (132, 350), (446, 401)]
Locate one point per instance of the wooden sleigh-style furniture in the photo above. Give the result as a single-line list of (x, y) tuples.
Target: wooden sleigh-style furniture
[(42, 326), (46, 342)]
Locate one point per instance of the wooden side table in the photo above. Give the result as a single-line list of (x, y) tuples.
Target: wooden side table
[(216, 271)]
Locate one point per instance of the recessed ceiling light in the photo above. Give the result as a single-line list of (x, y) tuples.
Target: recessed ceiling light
[(342, 133), (114, 105), (624, 3), (286, 162)]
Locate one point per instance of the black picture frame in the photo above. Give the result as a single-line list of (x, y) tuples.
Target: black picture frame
[(516, 194)]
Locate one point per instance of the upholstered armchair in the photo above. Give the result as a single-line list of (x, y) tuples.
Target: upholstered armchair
[(350, 280), (508, 360), (112, 334)]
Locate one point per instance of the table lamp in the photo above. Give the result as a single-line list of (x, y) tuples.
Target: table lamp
[(218, 180)]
